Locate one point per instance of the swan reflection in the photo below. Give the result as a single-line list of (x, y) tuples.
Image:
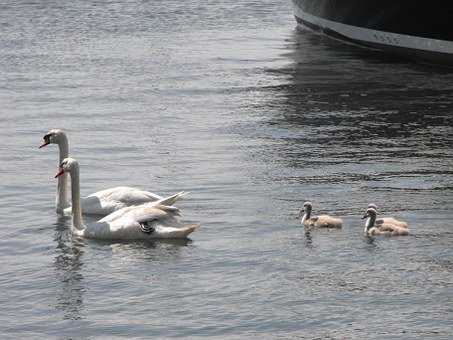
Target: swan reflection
[(68, 271)]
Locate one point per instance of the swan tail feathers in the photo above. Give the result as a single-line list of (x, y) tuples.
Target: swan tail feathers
[(189, 229), (170, 200), (172, 232), (168, 208)]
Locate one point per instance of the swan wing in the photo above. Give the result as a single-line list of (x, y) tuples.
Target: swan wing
[(110, 200), (139, 210), (326, 221), (126, 195), (117, 214), (158, 222), (148, 221), (392, 230), (142, 213), (394, 221), (155, 230), (170, 200)]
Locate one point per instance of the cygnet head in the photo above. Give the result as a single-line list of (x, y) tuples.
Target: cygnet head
[(54, 136), (370, 212), (305, 209), (373, 206), (67, 165)]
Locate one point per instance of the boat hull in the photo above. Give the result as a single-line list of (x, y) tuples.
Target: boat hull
[(404, 28)]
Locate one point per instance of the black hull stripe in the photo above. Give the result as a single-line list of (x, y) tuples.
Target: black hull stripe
[(408, 17), (411, 53)]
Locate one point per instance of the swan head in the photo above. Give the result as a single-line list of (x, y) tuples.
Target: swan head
[(67, 165), (372, 206), (54, 136), (370, 212), (306, 208)]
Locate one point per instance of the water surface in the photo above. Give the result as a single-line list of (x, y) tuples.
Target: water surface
[(230, 102)]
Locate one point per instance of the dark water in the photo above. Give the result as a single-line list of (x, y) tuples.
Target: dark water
[(228, 101)]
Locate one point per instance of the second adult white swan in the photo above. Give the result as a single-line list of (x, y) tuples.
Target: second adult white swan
[(101, 202), (147, 221)]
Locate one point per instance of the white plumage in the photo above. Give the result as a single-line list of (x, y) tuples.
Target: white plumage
[(101, 202), (146, 221)]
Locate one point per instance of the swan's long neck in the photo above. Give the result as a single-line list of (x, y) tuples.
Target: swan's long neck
[(62, 200), (369, 223), (306, 215), (77, 220)]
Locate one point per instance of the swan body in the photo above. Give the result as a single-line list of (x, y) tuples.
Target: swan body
[(101, 202), (375, 227), (109, 200), (320, 221), (151, 220), (388, 220)]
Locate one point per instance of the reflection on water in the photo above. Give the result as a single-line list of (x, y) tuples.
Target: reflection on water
[(152, 250), (253, 119), (308, 241), (68, 271), (375, 128), (70, 257)]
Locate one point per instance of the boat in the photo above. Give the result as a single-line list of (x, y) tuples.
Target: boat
[(408, 28)]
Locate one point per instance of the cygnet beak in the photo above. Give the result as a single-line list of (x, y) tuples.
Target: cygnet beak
[(45, 141)]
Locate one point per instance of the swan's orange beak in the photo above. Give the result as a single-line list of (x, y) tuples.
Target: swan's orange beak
[(60, 172)]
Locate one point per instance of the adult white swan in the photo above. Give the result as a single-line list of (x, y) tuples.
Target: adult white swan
[(101, 202), (147, 221)]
